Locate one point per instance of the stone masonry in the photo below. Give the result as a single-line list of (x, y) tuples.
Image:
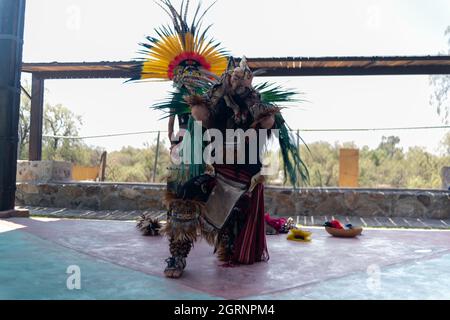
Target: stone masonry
[(433, 204), (44, 171)]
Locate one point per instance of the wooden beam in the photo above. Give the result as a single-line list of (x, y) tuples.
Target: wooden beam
[(37, 117), (269, 72), (355, 71), (274, 67)]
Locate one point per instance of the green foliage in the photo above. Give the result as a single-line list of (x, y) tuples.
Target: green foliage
[(24, 123), (58, 121), (445, 145), (323, 164), (440, 97), (136, 165), (385, 166)]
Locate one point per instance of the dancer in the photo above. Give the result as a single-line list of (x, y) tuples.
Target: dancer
[(222, 200)]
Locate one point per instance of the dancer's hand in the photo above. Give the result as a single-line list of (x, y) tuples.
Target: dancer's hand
[(267, 122), (200, 113)]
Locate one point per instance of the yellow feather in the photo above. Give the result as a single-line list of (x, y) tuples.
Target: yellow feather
[(168, 48)]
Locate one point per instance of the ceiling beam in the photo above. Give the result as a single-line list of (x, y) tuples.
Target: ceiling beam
[(274, 67)]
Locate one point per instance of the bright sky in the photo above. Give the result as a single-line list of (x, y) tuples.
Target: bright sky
[(103, 30)]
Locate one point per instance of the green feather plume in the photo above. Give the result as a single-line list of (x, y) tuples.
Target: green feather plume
[(275, 94), (295, 169), (173, 105)]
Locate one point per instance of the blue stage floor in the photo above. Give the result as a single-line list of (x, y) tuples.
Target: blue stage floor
[(116, 262)]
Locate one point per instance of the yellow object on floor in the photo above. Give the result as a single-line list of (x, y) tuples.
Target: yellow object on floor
[(299, 235)]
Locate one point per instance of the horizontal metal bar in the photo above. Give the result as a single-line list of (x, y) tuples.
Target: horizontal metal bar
[(293, 130)]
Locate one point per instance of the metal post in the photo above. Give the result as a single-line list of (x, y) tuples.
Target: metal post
[(156, 157), (36, 118), (12, 15)]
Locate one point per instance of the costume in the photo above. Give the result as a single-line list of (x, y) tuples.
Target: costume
[(222, 201)]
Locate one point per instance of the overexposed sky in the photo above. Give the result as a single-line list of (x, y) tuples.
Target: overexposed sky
[(102, 30)]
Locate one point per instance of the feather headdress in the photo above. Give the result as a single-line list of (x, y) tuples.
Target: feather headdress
[(181, 49)]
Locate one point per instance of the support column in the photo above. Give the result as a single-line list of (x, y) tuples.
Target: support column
[(36, 118), (12, 14)]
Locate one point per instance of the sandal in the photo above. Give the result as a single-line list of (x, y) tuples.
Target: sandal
[(175, 267)]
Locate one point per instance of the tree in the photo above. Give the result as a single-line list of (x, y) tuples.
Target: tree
[(58, 121), (149, 161), (445, 145), (323, 163), (385, 166), (24, 122), (423, 169), (441, 84), (136, 165), (388, 146)]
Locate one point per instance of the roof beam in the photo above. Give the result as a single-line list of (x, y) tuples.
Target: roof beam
[(274, 67)]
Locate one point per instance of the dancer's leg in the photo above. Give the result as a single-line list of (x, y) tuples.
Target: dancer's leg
[(179, 251)]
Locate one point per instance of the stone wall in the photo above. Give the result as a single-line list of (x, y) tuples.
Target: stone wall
[(43, 171), (280, 201), (90, 196), (359, 202)]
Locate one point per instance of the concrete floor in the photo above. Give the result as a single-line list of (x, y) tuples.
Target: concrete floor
[(116, 262)]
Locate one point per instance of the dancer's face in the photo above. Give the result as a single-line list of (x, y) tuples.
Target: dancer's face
[(240, 80)]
